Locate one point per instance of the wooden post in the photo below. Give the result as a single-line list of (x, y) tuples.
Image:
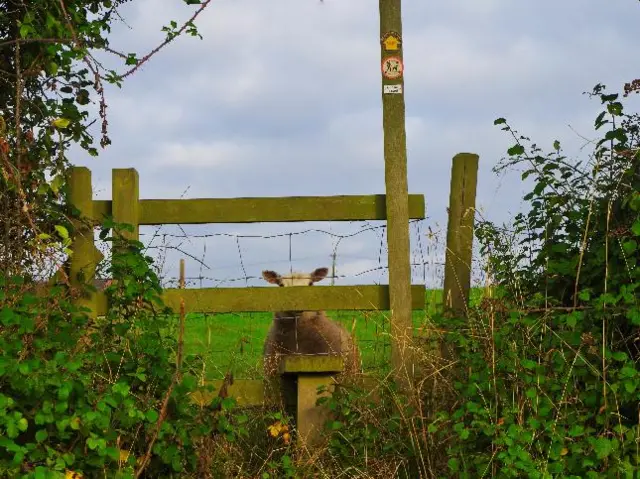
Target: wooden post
[(126, 199), (397, 202), (308, 373), (179, 355), (462, 208), (82, 267)]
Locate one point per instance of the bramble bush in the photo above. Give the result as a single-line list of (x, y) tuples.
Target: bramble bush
[(551, 382), (542, 378), (102, 397)]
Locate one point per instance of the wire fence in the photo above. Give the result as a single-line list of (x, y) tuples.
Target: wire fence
[(355, 252), (223, 255)]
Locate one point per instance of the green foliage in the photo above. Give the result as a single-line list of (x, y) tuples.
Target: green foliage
[(545, 376), (93, 395), (551, 381), (264, 450), (374, 432), (49, 75)]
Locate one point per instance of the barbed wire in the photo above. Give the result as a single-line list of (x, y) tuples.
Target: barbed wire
[(427, 252), (271, 236)]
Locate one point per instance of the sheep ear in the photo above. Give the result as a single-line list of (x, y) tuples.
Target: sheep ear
[(271, 277), (319, 274)]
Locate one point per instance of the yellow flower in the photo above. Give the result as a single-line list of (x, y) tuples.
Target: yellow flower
[(72, 475), (124, 455), (277, 428)]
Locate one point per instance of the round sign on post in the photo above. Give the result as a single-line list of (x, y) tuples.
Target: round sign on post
[(392, 68)]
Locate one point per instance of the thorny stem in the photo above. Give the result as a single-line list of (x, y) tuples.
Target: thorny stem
[(168, 40)]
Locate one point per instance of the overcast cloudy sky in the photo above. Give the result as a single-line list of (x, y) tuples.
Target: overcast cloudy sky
[(282, 98)]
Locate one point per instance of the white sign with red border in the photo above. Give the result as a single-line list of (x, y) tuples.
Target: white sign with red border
[(392, 68)]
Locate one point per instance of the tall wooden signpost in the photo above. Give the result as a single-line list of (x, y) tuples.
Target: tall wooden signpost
[(395, 155)]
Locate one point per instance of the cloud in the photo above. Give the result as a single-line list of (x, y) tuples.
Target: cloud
[(205, 156)]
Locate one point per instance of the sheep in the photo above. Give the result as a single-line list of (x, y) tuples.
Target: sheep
[(305, 332)]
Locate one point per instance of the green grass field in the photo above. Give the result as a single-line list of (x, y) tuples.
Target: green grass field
[(216, 343)]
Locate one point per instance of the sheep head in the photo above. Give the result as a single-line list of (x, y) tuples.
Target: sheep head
[(295, 279)]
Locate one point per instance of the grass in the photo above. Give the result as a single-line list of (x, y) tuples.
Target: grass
[(217, 343)]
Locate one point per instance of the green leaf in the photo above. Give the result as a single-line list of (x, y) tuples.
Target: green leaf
[(189, 381), (515, 150), (62, 231), (23, 424), (573, 318), (64, 391), (628, 372), (615, 108), (336, 425), (8, 317), (228, 403), (576, 430), (121, 388), (151, 415), (531, 393), (41, 435), (8, 444), (602, 447), (499, 121), (61, 123), (635, 228), (629, 247), (598, 123), (633, 314), (25, 30), (619, 356)]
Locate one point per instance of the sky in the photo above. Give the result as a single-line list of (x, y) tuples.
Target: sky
[(282, 98)]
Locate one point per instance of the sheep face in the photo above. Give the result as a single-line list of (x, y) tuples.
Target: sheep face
[(295, 279)]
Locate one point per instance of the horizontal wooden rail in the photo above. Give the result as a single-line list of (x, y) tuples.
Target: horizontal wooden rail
[(250, 392), (258, 210), (247, 392), (227, 300)]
